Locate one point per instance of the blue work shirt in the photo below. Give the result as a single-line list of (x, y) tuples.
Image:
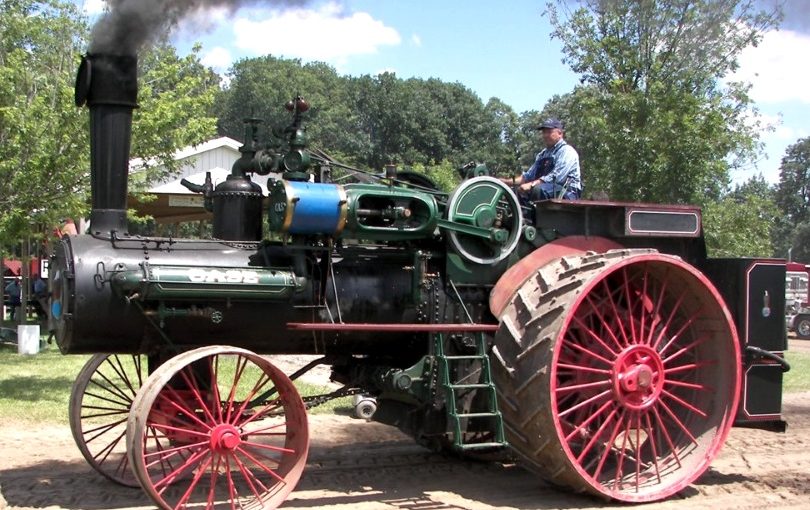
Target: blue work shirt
[(556, 165)]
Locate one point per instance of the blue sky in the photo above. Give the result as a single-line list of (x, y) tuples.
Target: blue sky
[(501, 49)]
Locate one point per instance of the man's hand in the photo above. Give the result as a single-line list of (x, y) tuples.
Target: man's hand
[(526, 186)]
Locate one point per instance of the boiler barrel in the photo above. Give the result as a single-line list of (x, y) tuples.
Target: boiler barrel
[(139, 296)]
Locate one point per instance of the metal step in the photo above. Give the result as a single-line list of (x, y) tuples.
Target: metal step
[(466, 357), (481, 446), (470, 386), (477, 415)]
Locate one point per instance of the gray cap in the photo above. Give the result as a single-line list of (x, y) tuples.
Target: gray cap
[(551, 123)]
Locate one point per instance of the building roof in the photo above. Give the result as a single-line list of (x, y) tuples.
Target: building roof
[(174, 202)]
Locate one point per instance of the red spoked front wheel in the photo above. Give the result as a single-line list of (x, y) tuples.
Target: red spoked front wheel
[(218, 427), (620, 373)]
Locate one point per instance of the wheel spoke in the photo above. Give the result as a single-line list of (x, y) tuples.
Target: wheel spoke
[(161, 426), (672, 313), (183, 467), (688, 367), (593, 335), (249, 477), (605, 325), (680, 331), (269, 447), (260, 465), (609, 446), (109, 448), (684, 403), (182, 408), (664, 432), (582, 368), (591, 400), (126, 404), (199, 474), (615, 311), (106, 428), (629, 301), (588, 421), (589, 353), (678, 422), (241, 363), (274, 404), (680, 352), (174, 449), (119, 369), (583, 386), (657, 313), (691, 386), (622, 450), (195, 390), (108, 389), (212, 482), (651, 439)]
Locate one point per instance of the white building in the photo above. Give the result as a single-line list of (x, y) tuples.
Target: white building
[(174, 202)]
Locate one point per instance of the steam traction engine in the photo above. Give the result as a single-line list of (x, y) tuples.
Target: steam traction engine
[(595, 341)]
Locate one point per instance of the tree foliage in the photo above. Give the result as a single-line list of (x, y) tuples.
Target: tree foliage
[(741, 223), (44, 147), (651, 118), (792, 196), (373, 120), (43, 141), (176, 98)]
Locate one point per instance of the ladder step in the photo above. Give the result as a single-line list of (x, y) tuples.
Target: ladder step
[(468, 357), (478, 415), (469, 386), (481, 446)]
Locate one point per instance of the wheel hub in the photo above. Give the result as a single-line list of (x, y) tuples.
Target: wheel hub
[(638, 377), (225, 438)]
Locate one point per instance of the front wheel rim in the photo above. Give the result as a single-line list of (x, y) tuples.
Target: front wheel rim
[(240, 443)]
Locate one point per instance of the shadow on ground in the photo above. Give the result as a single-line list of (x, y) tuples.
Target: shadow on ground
[(398, 474)]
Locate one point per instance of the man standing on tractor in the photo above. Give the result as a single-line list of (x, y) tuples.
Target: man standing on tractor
[(555, 172)]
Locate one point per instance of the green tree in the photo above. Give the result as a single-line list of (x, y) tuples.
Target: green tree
[(43, 141), (652, 120), (792, 196), (372, 120), (176, 97), (741, 223)]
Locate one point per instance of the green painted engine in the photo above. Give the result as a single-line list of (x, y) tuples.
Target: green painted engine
[(595, 339)]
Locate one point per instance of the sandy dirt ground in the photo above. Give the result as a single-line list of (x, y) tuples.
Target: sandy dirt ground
[(354, 464)]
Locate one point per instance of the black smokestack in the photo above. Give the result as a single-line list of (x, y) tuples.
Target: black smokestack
[(108, 84)]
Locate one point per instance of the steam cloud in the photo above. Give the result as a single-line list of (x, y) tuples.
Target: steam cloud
[(131, 24)]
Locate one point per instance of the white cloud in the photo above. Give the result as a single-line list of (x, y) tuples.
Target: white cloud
[(219, 58), (329, 35), (93, 7), (416, 40), (777, 68)]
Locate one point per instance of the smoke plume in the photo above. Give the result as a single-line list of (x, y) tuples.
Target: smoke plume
[(131, 24)]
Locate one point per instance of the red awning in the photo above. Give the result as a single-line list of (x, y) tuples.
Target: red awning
[(12, 267)]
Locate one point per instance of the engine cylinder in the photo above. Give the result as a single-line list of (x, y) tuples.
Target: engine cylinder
[(307, 208)]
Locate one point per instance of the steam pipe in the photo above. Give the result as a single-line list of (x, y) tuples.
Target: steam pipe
[(108, 85)]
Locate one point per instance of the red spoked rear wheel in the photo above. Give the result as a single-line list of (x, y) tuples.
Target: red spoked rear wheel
[(218, 427), (620, 373)]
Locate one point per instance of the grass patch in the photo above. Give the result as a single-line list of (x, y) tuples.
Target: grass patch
[(798, 379), (36, 389)]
